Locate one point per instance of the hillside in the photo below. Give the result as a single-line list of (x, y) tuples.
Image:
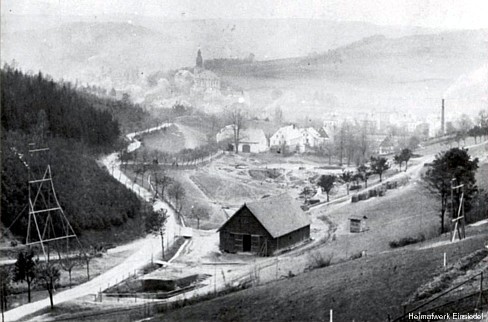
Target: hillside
[(89, 49), (35, 109), (366, 289), (406, 59), (411, 72)]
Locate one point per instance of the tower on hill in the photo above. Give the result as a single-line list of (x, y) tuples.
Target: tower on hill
[(199, 61)]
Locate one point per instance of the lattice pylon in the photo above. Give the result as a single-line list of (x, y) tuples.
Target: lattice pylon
[(48, 224), (458, 219)]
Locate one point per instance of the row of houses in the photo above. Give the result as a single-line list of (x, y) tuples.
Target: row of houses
[(290, 138)]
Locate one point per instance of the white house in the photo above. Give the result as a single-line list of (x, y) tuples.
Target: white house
[(289, 136), (251, 140), (296, 139), (311, 137)]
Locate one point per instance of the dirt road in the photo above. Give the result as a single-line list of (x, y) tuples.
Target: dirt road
[(147, 248)]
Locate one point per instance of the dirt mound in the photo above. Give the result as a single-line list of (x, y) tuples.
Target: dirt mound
[(226, 190), (262, 174)]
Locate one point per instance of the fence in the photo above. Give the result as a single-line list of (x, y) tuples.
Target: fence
[(137, 306), (480, 295)]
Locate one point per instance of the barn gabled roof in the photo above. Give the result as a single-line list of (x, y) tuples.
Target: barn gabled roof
[(279, 214)]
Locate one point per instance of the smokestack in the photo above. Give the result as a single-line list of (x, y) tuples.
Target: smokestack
[(442, 119)]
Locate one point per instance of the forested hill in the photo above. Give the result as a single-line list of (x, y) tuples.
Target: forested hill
[(35, 108), (28, 100)]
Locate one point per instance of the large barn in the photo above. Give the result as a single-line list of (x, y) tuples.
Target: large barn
[(265, 226)]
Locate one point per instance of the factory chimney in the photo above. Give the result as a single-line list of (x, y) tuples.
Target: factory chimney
[(443, 119)]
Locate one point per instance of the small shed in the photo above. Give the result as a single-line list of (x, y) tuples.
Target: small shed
[(265, 226), (357, 224)]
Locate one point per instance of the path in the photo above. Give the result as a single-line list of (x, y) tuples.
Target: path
[(193, 138), (148, 248)]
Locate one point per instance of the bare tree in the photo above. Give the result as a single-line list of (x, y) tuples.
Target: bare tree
[(176, 192), (49, 273), (199, 212), (161, 182), (155, 224), (237, 120), (67, 263), (346, 176)]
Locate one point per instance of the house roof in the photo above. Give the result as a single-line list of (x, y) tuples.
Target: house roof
[(252, 135), (278, 214), (289, 132), (207, 75), (249, 135), (310, 131), (323, 132)]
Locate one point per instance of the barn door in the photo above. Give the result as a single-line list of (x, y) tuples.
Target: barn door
[(238, 243), (246, 243), (246, 148)]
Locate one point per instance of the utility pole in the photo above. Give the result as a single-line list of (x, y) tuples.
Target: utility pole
[(45, 212)]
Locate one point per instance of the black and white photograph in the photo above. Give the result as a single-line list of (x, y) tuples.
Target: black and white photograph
[(244, 160)]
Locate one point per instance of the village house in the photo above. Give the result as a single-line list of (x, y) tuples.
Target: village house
[(251, 140), (205, 80), (295, 139), (265, 226)]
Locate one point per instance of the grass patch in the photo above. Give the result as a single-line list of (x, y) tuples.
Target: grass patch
[(443, 281)]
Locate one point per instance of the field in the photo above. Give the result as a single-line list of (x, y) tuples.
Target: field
[(170, 141)]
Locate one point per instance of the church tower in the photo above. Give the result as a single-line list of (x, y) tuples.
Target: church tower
[(199, 63)]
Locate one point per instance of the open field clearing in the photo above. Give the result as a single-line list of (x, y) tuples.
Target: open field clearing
[(169, 140), (226, 190)]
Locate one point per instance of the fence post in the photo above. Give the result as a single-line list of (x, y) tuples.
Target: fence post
[(481, 292)]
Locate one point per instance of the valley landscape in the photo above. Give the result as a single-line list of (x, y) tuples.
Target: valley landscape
[(191, 167)]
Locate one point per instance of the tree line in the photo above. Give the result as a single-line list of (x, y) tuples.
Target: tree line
[(66, 113), (36, 109)]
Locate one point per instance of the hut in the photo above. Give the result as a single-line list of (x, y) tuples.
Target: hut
[(265, 226), (357, 224)]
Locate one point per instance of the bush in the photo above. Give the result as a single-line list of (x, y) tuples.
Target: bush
[(407, 241), (356, 256), (363, 196), (354, 198), (355, 187), (318, 260)]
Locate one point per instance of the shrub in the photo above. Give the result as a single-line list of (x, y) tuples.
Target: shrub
[(407, 241), (318, 260), (354, 198), (363, 196), (355, 187), (356, 256), (372, 193)]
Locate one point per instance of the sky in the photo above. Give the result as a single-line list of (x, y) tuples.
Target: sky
[(445, 14)]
